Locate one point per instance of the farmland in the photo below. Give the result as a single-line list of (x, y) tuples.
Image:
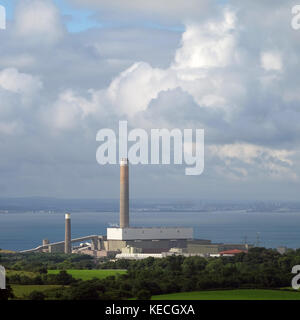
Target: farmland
[(243, 294)]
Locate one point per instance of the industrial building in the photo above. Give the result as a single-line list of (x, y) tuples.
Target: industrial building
[(136, 242)]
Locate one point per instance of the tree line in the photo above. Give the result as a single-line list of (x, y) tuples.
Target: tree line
[(259, 268)]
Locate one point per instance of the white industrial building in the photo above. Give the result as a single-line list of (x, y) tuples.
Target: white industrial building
[(162, 233)]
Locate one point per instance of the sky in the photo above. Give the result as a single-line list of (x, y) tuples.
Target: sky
[(70, 68)]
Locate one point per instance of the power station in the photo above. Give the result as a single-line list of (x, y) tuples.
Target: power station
[(133, 242), (149, 240)]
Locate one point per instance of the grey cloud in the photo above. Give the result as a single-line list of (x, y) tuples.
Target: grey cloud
[(236, 101), (172, 10)]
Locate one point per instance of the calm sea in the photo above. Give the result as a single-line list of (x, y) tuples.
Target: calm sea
[(20, 231)]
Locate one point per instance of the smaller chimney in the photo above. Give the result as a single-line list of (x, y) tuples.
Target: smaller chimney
[(68, 248), (45, 242)]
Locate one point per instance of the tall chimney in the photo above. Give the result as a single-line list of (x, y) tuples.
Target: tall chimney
[(68, 248), (124, 193)]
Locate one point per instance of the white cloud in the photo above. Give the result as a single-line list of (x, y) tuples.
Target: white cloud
[(14, 81), (241, 157), (134, 88), (207, 45), (38, 22), (249, 153), (271, 61), (203, 49), (68, 110)]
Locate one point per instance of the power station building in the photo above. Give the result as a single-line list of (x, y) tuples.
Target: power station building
[(149, 240), (127, 242)]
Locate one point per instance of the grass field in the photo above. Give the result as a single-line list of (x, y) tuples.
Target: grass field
[(6, 251), (20, 291), (244, 294), (90, 274)]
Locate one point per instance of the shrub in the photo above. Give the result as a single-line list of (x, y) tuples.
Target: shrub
[(144, 295), (36, 295)]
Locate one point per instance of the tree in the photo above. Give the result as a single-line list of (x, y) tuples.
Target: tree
[(43, 270), (144, 295), (64, 278), (36, 295), (84, 291), (7, 293)]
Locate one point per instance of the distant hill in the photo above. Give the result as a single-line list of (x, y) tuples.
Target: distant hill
[(163, 205)]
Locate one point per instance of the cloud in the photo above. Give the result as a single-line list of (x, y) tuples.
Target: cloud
[(207, 45), (239, 160), (8, 128), (132, 91), (271, 61), (203, 48), (38, 21), (235, 78), (16, 82), (70, 109), (249, 153), (167, 9)]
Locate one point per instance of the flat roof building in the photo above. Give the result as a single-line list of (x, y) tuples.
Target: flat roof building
[(161, 233)]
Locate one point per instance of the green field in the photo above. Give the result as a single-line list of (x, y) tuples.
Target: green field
[(244, 294), (20, 291), (90, 274)]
